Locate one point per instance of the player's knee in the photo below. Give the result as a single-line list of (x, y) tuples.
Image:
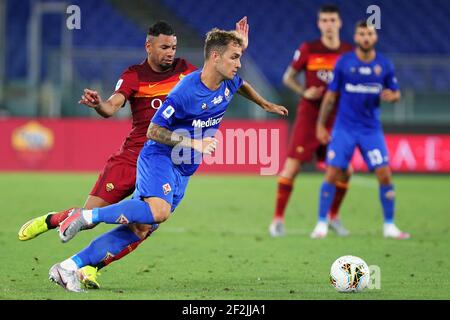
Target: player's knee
[(349, 172), (345, 176), (291, 168), (332, 174), (384, 175), (141, 230), (159, 208), (160, 213), (385, 179)]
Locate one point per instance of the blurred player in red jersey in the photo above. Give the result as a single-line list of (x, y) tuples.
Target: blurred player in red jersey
[(315, 58), (145, 86)]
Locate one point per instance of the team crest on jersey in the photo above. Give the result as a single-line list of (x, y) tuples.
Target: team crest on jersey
[(227, 93), (300, 149), (181, 76), (108, 256), (390, 195), (166, 189), (204, 106), (377, 69), (109, 187), (122, 220)]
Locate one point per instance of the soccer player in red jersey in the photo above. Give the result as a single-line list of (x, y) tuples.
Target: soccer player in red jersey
[(145, 86), (315, 58)]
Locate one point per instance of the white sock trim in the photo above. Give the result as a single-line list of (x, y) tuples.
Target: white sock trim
[(69, 264), (87, 215)]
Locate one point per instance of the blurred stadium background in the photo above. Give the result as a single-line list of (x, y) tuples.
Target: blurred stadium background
[(223, 242), (44, 66)]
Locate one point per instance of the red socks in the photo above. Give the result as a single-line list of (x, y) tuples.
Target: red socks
[(341, 190), (285, 187), (55, 219)]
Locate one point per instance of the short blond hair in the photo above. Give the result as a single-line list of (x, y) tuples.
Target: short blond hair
[(217, 39)]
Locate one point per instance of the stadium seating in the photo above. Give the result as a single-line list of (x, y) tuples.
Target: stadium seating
[(277, 27), (113, 32)]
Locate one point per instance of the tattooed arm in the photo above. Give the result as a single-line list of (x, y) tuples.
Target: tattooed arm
[(325, 109), (170, 138)]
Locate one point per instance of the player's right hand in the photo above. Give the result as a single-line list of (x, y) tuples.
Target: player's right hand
[(90, 98), (314, 93), (322, 134), (206, 145), (242, 28)]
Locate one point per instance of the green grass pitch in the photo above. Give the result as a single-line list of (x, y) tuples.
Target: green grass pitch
[(216, 245)]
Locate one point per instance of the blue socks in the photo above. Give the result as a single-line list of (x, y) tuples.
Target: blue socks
[(107, 245), (387, 199), (124, 212), (326, 198)]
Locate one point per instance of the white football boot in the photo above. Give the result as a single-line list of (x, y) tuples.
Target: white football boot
[(276, 228), (337, 226), (390, 230), (320, 231), (68, 279)]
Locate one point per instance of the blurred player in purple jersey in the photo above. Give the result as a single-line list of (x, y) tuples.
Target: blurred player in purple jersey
[(362, 78)]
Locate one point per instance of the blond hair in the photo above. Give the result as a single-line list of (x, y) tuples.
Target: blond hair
[(217, 39)]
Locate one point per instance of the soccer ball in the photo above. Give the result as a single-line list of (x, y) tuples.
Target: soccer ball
[(349, 274)]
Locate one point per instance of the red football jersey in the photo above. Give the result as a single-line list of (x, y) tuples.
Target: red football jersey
[(318, 63), (146, 91)]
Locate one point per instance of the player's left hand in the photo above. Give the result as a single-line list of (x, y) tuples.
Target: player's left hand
[(242, 28), (388, 95), (275, 108)]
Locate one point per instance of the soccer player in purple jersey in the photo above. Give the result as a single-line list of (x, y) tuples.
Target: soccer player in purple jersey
[(161, 179), (362, 78), (145, 86)]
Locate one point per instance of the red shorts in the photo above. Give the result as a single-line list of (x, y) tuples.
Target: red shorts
[(118, 178), (303, 144)]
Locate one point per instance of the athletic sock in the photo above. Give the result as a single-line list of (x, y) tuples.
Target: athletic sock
[(103, 263), (124, 212), (341, 190), (327, 192), (69, 264), (284, 191), (107, 246), (53, 220), (387, 199)]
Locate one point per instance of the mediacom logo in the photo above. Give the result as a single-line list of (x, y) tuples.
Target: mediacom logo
[(208, 123)]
